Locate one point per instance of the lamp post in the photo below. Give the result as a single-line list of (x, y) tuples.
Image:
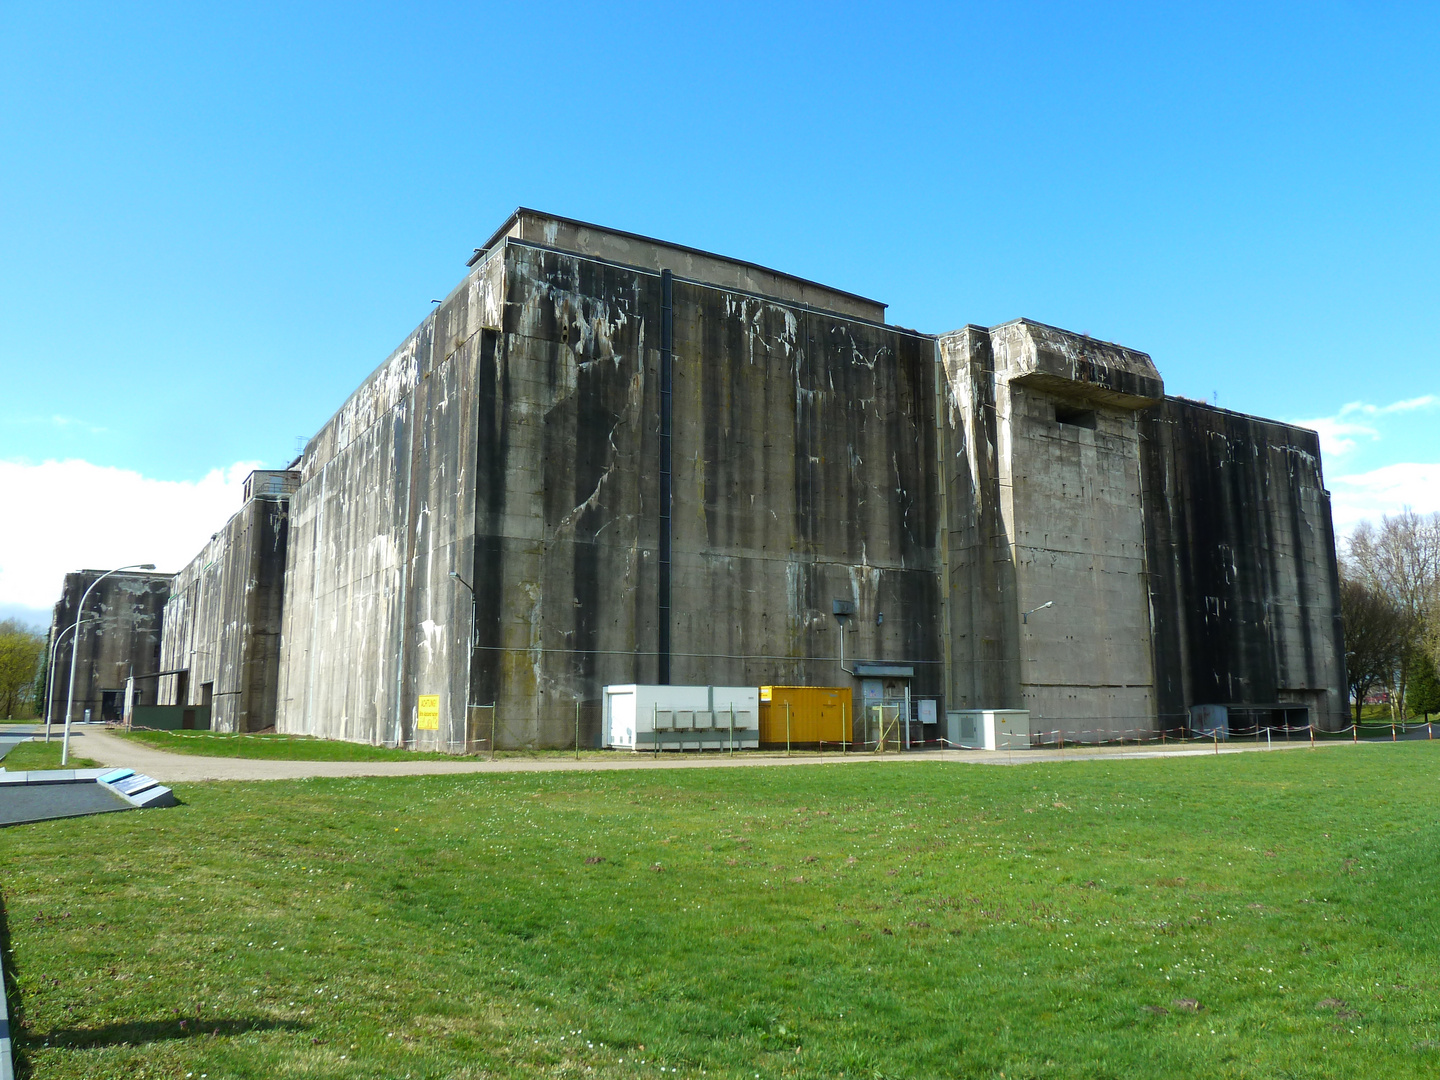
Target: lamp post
[(1025, 615), (471, 591), (75, 650), (50, 676)]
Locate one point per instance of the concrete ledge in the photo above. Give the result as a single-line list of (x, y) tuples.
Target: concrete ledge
[(50, 776), (28, 797), (1071, 365), (7, 1048), (156, 796)]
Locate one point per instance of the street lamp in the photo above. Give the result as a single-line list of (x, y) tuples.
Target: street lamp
[(50, 678), (470, 589), (75, 650), (1025, 615)]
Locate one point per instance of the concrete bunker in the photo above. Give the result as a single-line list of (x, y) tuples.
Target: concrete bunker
[(605, 460)]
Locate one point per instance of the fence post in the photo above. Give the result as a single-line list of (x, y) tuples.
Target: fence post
[(493, 710), (1312, 736), (577, 729)]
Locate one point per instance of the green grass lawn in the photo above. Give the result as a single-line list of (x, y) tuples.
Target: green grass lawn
[(305, 748), (273, 747), (1380, 715), (1257, 915), (42, 755)]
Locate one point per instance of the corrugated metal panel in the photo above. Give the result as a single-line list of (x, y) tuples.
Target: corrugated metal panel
[(816, 715)]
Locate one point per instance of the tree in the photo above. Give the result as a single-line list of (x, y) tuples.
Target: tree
[(41, 684), (1374, 638), (21, 650), (1424, 686), (1401, 560)]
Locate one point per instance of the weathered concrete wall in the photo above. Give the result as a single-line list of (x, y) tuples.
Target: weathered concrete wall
[(983, 619), (1243, 559), (222, 622), (803, 444), (525, 459), (1046, 508), (384, 512), (125, 640)]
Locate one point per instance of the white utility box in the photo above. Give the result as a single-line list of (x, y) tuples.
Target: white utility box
[(988, 729), (681, 717)]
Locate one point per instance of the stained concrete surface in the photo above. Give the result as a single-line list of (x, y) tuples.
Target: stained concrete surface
[(222, 620), (1243, 574), (124, 641), (512, 439)]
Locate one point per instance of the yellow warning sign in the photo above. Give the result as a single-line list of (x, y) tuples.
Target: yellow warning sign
[(764, 693), (429, 713)]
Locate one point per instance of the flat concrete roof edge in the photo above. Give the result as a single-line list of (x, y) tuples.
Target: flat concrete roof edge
[(782, 301), (1070, 333), (1194, 403), (499, 233)]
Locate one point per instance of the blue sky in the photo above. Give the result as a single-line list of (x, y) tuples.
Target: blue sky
[(214, 223)]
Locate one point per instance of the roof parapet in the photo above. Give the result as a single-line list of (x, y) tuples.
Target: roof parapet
[(648, 253)]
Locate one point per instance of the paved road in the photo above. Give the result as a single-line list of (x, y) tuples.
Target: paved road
[(107, 749)]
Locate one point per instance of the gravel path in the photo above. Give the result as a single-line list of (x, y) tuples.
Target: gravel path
[(107, 749)]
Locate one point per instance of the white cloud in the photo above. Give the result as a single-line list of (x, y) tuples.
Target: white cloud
[(64, 423), (1338, 437), (72, 515), (1342, 433), (1425, 401), (1386, 490)]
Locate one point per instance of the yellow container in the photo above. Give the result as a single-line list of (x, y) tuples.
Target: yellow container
[(815, 715)]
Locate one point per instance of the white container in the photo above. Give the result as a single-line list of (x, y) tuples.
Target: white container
[(681, 717), (988, 729)]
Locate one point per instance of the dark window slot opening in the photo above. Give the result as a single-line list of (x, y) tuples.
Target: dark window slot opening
[(1066, 414)]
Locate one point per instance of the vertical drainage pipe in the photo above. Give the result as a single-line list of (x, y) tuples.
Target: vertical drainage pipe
[(667, 330), (401, 632)]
